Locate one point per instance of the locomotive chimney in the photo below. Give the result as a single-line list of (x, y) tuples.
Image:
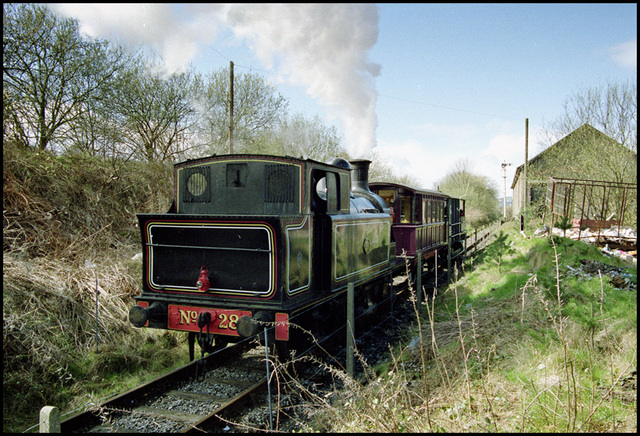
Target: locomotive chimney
[(360, 175), (360, 184)]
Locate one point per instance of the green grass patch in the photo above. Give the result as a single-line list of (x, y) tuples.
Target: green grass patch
[(524, 344)]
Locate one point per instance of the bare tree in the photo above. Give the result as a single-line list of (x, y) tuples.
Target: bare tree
[(611, 108), (257, 108), (381, 171), (479, 191), (50, 73), (155, 114), (598, 133), (300, 136)]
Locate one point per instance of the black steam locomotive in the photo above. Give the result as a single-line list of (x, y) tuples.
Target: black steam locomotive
[(252, 240)]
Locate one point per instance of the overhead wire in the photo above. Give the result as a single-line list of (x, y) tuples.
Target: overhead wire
[(250, 68), (448, 108)]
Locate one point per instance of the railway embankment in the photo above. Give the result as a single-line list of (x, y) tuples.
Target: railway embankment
[(69, 277)]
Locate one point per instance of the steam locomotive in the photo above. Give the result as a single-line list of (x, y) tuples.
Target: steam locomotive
[(254, 240)]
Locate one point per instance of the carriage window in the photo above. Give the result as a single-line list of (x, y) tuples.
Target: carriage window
[(387, 195), (409, 212), (424, 211), (404, 209)]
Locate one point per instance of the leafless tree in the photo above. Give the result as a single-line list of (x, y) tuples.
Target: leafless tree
[(257, 107), (155, 114), (50, 74), (479, 192), (611, 108)]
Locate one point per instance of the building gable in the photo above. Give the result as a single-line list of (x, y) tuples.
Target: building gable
[(563, 158), (585, 153)]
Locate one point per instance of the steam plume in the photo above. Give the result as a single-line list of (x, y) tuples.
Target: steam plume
[(321, 47)]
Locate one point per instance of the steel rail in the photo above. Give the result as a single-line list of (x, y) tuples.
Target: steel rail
[(125, 400)]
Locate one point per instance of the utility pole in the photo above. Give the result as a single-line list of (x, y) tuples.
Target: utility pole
[(504, 171), (230, 107), (526, 161)]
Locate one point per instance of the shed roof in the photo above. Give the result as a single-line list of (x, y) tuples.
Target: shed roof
[(585, 130)]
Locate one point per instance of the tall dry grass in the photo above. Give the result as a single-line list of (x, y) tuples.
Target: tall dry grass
[(69, 237)]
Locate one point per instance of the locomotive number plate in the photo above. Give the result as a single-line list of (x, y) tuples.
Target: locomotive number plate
[(223, 321)]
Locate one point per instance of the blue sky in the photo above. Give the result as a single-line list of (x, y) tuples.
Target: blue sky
[(424, 85)]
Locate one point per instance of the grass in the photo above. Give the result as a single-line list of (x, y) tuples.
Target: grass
[(69, 235), (50, 354), (530, 349)]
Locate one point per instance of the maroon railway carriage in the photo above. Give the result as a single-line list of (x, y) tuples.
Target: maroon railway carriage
[(425, 222)]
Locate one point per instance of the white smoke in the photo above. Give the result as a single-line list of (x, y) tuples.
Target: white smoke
[(321, 47)]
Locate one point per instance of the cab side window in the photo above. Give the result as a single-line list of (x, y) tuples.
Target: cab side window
[(326, 192)]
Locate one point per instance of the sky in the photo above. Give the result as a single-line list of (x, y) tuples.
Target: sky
[(425, 86)]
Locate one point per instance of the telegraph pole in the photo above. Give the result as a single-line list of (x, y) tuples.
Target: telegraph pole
[(526, 161), (504, 171), (230, 107)]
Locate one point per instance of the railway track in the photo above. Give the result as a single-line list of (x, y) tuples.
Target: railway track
[(191, 398), (184, 400)]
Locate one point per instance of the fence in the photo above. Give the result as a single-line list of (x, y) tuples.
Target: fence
[(593, 204), (481, 237)]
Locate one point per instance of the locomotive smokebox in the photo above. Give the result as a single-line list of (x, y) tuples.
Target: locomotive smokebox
[(360, 184)]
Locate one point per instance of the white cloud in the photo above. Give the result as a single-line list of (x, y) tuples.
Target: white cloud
[(427, 163), (505, 147), (485, 145), (322, 47), (625, 54), (176, 33)]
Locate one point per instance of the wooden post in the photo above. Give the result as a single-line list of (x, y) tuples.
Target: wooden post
[(435, 256), (350, 329), (49, 419), (97, 311), (418, 279), (475, 240), (266, 357), (451, 232), (526, 161)]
